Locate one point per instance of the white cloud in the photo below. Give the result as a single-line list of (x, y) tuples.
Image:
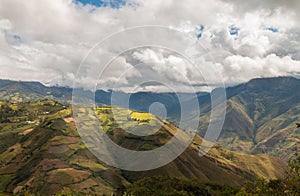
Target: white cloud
[(5, 24), (46, 40), (172, 67), (240, 68)]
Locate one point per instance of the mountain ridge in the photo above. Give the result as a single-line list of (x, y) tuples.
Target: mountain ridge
[(48, 156), (257, 110), (261, 115)]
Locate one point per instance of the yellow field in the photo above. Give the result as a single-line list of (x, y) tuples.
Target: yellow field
[(140, 116)]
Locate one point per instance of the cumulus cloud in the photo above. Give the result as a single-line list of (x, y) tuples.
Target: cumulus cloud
[(171, 66), (47, 41), (240, 68)]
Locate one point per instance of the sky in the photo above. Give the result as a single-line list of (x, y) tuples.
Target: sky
[(47, 41)]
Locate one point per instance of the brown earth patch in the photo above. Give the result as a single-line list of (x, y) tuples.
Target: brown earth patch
[(58, 149), (17, 189), (68, 120), (50, 164), (91, 185), (26, 132), (59, 140), (10, 168), (67, 176)]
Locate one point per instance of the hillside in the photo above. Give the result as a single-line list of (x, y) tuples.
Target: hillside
[(260, 113), (261, 117), (41, 151)]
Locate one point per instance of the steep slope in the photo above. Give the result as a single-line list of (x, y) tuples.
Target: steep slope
[(46, 154), (261, 117)]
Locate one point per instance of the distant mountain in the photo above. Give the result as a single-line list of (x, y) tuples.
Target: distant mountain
[(41, 152), (261, 117), (20, 91), (260, 113)]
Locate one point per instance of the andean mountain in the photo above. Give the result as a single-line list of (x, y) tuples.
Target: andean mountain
[(41, 152), (260, 113), (261, 117)]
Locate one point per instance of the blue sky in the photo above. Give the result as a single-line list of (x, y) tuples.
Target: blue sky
[(274, 30), (103, 3), (233, 30)]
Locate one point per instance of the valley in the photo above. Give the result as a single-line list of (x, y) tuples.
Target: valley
[(46, 154), (41, 150), (260, 118)]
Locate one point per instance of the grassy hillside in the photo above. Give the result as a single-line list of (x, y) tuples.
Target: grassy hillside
[(261, 117), (41, 151)]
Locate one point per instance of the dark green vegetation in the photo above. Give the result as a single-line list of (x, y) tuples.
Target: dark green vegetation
[(41, 152), (289, 185), (162, 185)]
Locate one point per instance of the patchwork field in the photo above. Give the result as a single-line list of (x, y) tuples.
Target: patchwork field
[(50, 157)]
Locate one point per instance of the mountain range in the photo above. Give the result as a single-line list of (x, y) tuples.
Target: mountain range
[(261, 117), (42, 152), (260, 114)]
